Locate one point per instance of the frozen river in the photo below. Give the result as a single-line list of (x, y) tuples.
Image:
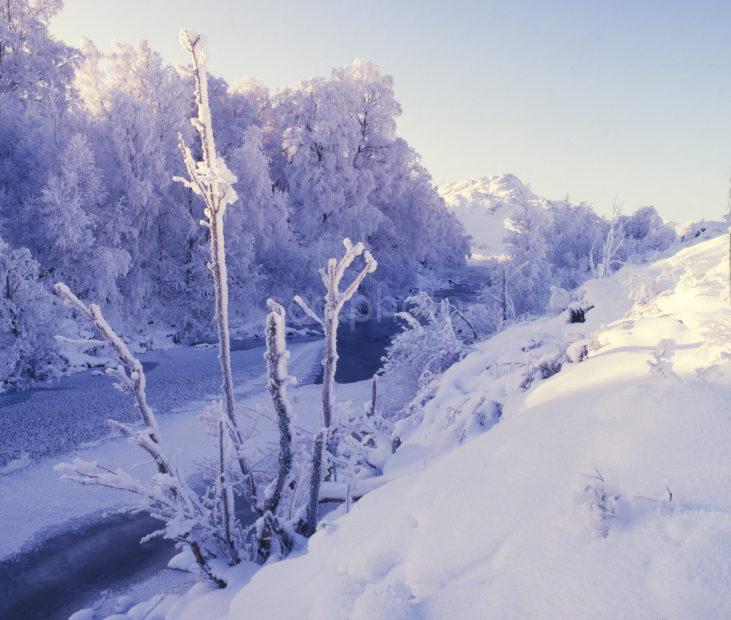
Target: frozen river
[(66, 567)]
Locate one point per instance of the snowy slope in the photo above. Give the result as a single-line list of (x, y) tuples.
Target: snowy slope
[(602, 491), (483, 205)]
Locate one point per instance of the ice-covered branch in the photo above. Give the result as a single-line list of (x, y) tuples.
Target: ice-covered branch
[(132, 374), (276, 356), (166, 496), (307, 310)]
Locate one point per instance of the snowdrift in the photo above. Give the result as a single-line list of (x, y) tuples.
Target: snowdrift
[(563, 470)]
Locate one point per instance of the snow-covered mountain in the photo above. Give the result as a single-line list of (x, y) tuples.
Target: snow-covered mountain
[(561, 471), (483, 205)]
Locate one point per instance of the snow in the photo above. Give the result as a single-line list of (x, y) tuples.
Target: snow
[(601, 492), (483, 205)]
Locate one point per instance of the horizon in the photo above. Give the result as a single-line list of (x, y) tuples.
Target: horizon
[(625, 103)]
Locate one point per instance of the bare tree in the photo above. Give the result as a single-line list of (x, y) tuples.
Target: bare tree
[(611, 246), (211, 179), (334, 302), (503, 296)]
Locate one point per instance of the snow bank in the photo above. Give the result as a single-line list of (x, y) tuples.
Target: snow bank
[(602, 491)]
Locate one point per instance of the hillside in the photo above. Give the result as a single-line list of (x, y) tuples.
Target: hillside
[(602, 491), (483, 205)]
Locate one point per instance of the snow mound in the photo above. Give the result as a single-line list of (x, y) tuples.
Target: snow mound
[(702, 230), (482, 206), (601, 492)]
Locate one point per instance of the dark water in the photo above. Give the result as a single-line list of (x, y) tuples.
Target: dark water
[(68, 570), (361, 345)]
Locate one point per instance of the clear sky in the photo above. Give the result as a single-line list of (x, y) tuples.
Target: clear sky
[(597, 100)]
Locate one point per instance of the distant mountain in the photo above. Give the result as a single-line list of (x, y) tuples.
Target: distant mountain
[(483, 205)]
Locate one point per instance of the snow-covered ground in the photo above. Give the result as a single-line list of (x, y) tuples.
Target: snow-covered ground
[(602, 491)]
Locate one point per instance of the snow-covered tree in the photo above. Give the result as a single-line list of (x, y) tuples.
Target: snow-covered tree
[(569, 237), (346, 173), (27, 312), (607, 250), (334, 300), (211, 179), (528, 251), (645, 234)]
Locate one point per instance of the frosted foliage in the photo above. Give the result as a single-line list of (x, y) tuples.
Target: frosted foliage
[(646, 234), (426, 347), (90, 149), (27, 315)]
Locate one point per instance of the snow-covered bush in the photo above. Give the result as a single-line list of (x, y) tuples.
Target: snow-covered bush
[(367, 437), (427, 345), (28, 351), (646, 234), (602, 503), (559, 300)]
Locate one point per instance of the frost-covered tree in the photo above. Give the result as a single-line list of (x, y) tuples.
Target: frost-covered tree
[(27, 313), (645, 234), (210, 178), (137, 106), (72, 232), (528, 254), (346, 173), (335, 299), (35, 96), (497, 294), (569, 237), (33, 66), (604, 256)]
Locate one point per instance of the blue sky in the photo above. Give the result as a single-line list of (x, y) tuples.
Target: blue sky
[(596, 100)]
